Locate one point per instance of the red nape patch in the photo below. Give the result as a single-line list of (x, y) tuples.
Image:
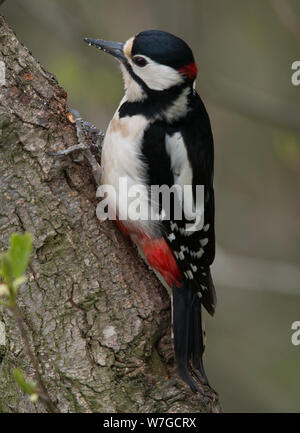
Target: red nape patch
[(189, 70), (160, 257)]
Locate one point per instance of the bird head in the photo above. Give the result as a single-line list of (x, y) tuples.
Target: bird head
[(152, 61)]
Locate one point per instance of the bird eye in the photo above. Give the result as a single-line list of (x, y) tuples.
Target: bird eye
[(140, 61)]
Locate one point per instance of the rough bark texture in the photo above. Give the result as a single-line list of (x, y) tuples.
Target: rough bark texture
[(98, 319)]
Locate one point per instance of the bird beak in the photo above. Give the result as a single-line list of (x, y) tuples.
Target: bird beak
[(113, 48)]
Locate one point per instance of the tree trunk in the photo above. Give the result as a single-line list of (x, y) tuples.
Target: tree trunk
[(98, 319)]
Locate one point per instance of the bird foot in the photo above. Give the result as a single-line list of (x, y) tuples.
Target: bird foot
[(89, 144)]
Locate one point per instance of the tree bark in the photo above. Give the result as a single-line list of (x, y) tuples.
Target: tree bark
[(98, 319)]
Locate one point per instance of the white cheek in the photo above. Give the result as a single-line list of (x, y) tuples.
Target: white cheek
[(156, 76), (134, 91)]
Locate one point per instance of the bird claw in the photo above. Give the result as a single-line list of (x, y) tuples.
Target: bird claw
[(89, 144), (87, 132), (69, 150)]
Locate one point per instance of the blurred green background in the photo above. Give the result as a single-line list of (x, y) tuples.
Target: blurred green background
[(244, 50)]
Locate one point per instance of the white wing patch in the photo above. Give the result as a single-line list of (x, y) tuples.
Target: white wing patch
[(181, 167)]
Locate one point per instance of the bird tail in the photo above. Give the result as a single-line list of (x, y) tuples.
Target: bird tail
[(189, 335)]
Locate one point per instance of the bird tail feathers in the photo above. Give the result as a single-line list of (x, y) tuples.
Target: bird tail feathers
[(189, 335)]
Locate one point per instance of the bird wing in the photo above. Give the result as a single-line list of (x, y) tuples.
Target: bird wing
[(182, 153)]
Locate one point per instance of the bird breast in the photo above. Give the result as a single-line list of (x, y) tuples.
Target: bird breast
[(122, 150), (122, 160)]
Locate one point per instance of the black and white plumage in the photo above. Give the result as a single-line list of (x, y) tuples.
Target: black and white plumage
[(161, 135), (194, 251)]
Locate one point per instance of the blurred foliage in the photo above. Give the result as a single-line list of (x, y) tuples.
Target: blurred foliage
[(99, 83), (28, 386), (244, 52), (288, 149), (13, 265)]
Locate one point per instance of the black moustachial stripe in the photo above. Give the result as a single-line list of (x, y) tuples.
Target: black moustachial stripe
[(156, 102)]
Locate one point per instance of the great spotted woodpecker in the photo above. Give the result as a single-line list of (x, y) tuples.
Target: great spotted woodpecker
[(161, 135)]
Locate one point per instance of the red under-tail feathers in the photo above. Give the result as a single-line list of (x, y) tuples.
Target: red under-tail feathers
[(158, 254)]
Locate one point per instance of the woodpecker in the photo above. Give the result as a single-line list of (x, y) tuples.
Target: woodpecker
[(161, 135)]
